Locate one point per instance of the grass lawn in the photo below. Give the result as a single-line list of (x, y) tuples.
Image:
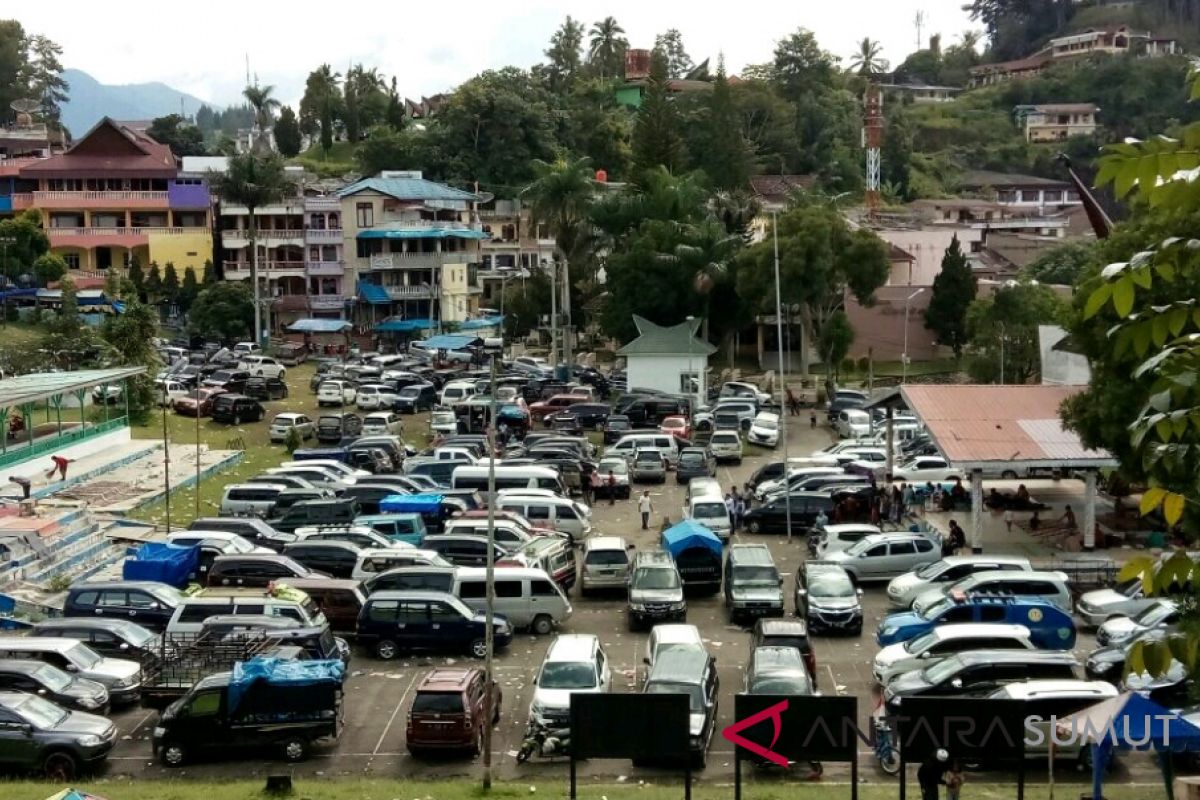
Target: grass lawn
[(338, 161), (327, 789)]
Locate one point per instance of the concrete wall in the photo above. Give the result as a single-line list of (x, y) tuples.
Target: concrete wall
[(184, 251), (879, 330), (35, 469), (664, 372), (926, 246)]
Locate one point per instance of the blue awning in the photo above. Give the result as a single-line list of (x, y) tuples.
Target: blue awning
[(484, 322), (404, 325), (373, 293), (451, 341), (422, 233), (319, 326)]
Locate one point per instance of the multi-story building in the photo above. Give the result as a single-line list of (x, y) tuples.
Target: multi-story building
[(1117, 41), (1020, 190), (1058, 121), (413, 246), (20, 145), (515, 247), (115, 195)]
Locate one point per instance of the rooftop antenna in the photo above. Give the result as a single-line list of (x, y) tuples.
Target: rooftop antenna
[(919, 22), (247, 69)]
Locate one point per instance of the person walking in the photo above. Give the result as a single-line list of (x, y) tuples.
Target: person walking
[(588, 488), (931, 775), (909, 498), (646, 508), (612, 488), (739, 512), (812, 418)]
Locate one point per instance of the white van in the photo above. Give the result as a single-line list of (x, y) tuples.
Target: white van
[(710, 511), (527, 598), (380, 559), (700, 487), (523, 477), (562, 514), (630, 443), (852, 423), (457, 392), (191, 612), (333, 465), (250, 499)]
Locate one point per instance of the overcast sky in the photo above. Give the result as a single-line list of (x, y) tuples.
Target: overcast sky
[(432, 46)]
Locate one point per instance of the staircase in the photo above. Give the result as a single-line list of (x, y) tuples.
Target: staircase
[(80, 548)]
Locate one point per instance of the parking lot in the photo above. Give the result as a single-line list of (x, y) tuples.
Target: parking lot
[(378, 693)]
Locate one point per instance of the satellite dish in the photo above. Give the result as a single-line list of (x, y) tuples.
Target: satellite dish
[(25, 107)]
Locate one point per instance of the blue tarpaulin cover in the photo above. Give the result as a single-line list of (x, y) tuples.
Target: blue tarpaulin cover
[(512, 412), (451, 341), (404, 325), (373, 293), (411, 504), (282, 672), (164, 563), (688, 534), (316, 325)]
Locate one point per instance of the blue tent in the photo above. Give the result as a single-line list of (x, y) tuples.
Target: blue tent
[(163, 563), (688, 534), (1131, 722)]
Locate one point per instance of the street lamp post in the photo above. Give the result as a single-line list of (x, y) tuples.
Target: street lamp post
[(167, 456), (696, 392), (904, 357), (490, 579), (783, 415)]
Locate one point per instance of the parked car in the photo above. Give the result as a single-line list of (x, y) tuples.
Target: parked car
[(382, 422), (676, 425), (49, 739), (777, 670), (256, 569), (1126, 599), (332, 428), (978, 673), (753, 587), (926, 468), (605, 563), (655, 590), (944, 641), (449, 711), (827, 599), (695, 462), (236, 409), (147, 603), (591, 416), (764, 429), (336, 393), (882, 556), (232, 381), (1120, 631), (398, 621), (1053, 587), (667, 637), (122, 677), (771, 517), (415, 397), (266, 389), (574, 664), (1051, 700), (1049, 627), (44, 680), (372, 396), (281, 424), (113, 638), (616, 426), (726, 446), (197, 401), (616, 467), (695, 675), (770, 632), (905, 588), (648, 466)]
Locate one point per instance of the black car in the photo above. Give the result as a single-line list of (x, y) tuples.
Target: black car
[(145, 602), (35, 734), (462, 550), (232, 381), (695, 462), (591, 416), (112, 638), (616, 426), (827, 599), (771, 517), (693, 673), (266, 389), (332, 428), (415, 397), (332, 557), (235, 409), (309, 513), (776, 632), (50, 682)]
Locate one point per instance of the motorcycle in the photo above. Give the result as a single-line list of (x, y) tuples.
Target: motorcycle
[(544, 741), (886, 749)]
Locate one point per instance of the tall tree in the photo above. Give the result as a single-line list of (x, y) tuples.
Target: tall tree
[(321, 104), (112, 284), (678, 62), (170, 284), (24, 242), (189, 288), (598, 127), (287, 133), (45, 81), (130, 337), (564, 55), (364, 101), (210, 274), (154, 284), (264, 104), (954, 290), (224, 310), (657, 141), (388, 148), (175, 132), (606, 48), (867, 59), (137, 278), (14, 57), (67, 324), (801, 66), (48, 268), (726, 156), (1003, 332), (1063, 265), (896, 153), (394, 117), (253, 181)]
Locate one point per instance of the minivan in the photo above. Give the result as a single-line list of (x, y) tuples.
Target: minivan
[(1049, 627), (521, 477), (339, 600), (553, 555), (605, 564), (250, 499), (335, 559), (426, 577), (655, 590), (882, 556), (944, 641), (255, 570), (457, 392), (1051, 586), (978, 673), (317, 512), (463, 550), (835, 538), (574, 664), (415, 397), (629, 444), (852, 423), (147, 603), (560, 513), (372, 562), (395, 622), (649, 412), (693, 674), (406, 528), (254, 530), (709, 510), (121, 677), (527, 598), (278, 602), (904, 589), (235, 409), (753, 586)]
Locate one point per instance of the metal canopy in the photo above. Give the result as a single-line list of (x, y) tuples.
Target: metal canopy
[(40, 385)]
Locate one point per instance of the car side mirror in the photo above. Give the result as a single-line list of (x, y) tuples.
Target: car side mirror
[(27, 729), (41, 691), (858, 592), (124, 646), (956, 683), (927, 654)]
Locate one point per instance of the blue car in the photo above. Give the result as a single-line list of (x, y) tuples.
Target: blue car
[(407, 528), (394, 622), (1050, 627)]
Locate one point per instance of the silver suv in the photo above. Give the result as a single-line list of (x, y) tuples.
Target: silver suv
[(655, 590), (881, 556), (648, 465), (605, 563)]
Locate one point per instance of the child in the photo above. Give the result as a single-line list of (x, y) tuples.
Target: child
[(1008, 519), (954, 781)]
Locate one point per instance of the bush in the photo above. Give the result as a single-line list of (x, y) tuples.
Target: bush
[(847, 367), (293, 442)]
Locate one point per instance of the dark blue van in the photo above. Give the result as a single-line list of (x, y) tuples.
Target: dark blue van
[(1050, 627), (147, 603), (394, 622)]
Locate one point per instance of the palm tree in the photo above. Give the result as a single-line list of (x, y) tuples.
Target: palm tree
[(560, 196), (736, 210), (607, 47), (970, 39), (264, 105), (705, 254), (867, 60), (253, 181)]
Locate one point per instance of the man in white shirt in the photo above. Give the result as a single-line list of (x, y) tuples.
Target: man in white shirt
[(645, 506)]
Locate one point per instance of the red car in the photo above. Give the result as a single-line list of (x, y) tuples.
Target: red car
[(677, 426), (448, 711), (544, 408), (201, 399)]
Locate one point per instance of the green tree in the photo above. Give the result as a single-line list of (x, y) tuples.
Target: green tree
[(137, 278), (837, 334), (896, 153), (1003, 331), (287, 133), (1062, 265), (210, 273), (801, 66), (112, 284), (183, 138), (24, 242), (49, 268), (170, 284), (564, 55), (154, 284), (364, 101), (189, 288), (597, 127), (224, 310), (657, 141), (1016, 26), (606, 48), (264, 104), (923, 66), (44, 80), (253, 181), (67, 322), (768, 122), (726, 157), (14, 55), (524, 304), (394, 115), (867, 60), (321, 104), (388, 148), (130, 339), (954, 291), (678, 62)]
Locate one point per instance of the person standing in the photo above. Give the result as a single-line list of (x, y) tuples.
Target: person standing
[(612, 488), (909, 498), (646, 508), (954, 781), (931, 775), (812, 418), (588, 488), (739, 511)]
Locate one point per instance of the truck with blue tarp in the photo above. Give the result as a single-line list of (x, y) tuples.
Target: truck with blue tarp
[(163, 563), (697, 552), (262, 703), (431, 507)]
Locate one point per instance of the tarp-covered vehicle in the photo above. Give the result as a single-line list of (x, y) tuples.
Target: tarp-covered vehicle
[(697, 552), (162, 563), (432, 508)]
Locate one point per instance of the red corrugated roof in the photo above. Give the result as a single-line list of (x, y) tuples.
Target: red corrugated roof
[(109, 149), (984, 426)]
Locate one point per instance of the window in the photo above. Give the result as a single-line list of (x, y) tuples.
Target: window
[(364, 215), (924, 546), (139, 600), (413, 613), (112, 599), (255, 608), (508, 588), (205, 704), (72, 260), (537, 512), (475, 590), (903, 548), (383, 611), (878, 551), (440, 612), (199, 612), (543, 588), (87, 598), (991, 614)]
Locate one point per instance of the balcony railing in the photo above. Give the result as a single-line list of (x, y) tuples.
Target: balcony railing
[(22, 201), (326, 267), (292, 302), (328, 235), (265, 267), (326, 302), (59, 232), (41, 198), (398, 222), (322, 204), (409, 292), (420, 260)]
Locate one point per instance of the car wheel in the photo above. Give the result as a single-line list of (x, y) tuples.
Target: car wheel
[(754, 526), (172, 755), (60, 767), (295, 749), (542, 625), (479, 648), (1008, 475), (386, 649), (477, 745)]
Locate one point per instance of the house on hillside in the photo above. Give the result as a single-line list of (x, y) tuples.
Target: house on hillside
[(1117, 41), (668, 358), (1054, 122), (1011, 189), (637, 76)]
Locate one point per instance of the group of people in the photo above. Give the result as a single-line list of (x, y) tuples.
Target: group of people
[(737, 504), (941, 499), (937, 772)]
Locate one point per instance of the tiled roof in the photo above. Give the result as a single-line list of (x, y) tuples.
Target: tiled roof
[(409, 189), (1031, 62), (780, 186), (1001, 180), (109, 148), (983, 427), (660, 340), (896, 254)]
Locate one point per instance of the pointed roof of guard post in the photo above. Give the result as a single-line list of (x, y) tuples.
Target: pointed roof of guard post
[(662, 340)]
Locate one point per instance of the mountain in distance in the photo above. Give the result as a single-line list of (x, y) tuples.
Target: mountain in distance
[(91, 100)]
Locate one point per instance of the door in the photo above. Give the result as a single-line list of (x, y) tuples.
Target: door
[(545, 599), (17, 748), (873, 562), (144, 609), (413, 626), (448, 628), (900, 556), (200, 723)]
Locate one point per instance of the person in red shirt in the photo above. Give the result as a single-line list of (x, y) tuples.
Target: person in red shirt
[(60, 466)]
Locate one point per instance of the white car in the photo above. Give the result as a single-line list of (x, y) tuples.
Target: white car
[(107, 394), (336, 393), (764, 429), (904, 589), (443, 422), (946, 640), (575, 663), (373, 396), (246, 348), (726, 446), (926, 468), (672, 637), (382, 422), (262, 366), (166, 391), (282, 423)]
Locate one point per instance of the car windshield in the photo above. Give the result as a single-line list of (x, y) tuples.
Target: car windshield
[(830, 584), (937, 609), (942, 671), (568, 675), (656, 578), (82, 656), (859, 547), (616, 467), (39, 713), (931, 570), (766, 424), (920, 644), (651, 456), (691, 460), (1154, 614), (756, 576), (618, 424), (437, 703), (694, 693), (779, 684), (52, 678)]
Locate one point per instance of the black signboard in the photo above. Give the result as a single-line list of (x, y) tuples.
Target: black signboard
[(644, 726), (795, 728), (971, 729)]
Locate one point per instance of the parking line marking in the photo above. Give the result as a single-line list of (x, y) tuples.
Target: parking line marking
[(832, 679), (143, 721), (395, 711)]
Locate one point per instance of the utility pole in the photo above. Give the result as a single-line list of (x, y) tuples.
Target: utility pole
[(490, 583), (553, 315), (919, 21), (783, 415)]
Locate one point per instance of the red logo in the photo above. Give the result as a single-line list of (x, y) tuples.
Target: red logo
[(775, 714)]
